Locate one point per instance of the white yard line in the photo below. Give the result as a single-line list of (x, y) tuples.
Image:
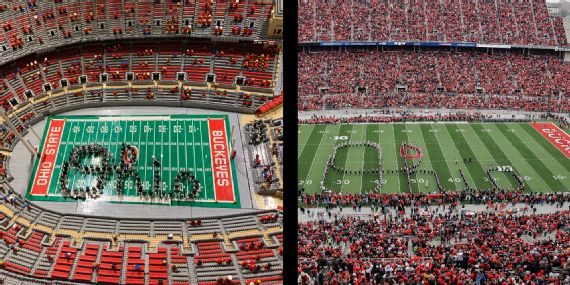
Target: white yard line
[(445, 162), (202, 151), (141, 131), (305, 143), (408, 141), (171, 167), (363, 158), (194, 157), (85, 182), (177, 153), (397, 153), (162, 166), (154, 151), (317, 152), (125, 131), (427, 158), (466, 172), (91, 184), (542, 154), (483, 148), (535, 175), (347, 153), (113, 176), (117, 147), (64, 154), (185, 153)]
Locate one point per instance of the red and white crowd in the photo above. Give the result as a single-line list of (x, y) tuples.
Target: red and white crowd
[(430, 79), (447, 249), (518, 22)]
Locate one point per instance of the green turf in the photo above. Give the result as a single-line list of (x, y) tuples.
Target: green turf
[(444, 145), (181, 142)]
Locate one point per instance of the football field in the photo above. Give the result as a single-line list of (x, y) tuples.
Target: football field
[(456, 154), (181, 160)]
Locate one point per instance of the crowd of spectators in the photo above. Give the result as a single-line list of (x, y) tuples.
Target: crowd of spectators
[(425, 100), (426, 199), (393, 116), (432, 79), (438, 248), (519, 22)]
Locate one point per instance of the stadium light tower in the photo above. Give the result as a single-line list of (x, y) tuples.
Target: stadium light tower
[(27, 144)]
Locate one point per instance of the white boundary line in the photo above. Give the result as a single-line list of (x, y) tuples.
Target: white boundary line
[(316, 152), (305, 143)]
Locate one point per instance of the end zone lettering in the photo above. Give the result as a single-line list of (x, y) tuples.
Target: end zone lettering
[(221, 167), (47, 158), (221, 163), (555, 136)]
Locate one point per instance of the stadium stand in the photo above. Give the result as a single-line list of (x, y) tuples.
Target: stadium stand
[(63, 55), (38, 25), (394, 78), (35, 85), (495, 22), (265, 143), (40, 244), (450, 249)]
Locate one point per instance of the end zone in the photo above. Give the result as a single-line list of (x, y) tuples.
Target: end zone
[(555, 136), (48, 157), (221, 164)]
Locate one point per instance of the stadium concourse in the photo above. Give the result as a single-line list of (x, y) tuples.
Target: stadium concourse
[(125, 142), (433, 142)]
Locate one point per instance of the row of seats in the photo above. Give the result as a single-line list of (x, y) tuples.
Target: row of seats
[(438, 101), (83, 225), (30, 251), (352, 75), (40, 24), (201, 62), (262, 153), (524, 22)]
